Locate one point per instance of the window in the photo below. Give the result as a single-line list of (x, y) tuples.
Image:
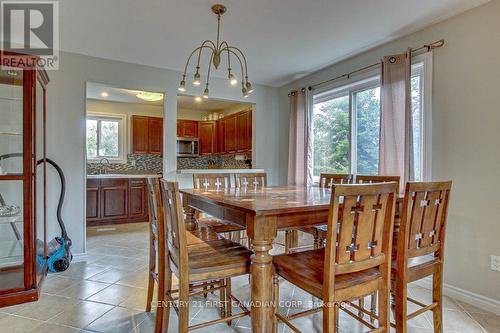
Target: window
[(105, 138), (346, 125)]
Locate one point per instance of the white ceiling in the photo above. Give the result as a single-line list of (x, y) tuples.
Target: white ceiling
[(282, 39)]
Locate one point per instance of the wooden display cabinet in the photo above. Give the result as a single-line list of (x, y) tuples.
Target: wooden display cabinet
[(22, 182)]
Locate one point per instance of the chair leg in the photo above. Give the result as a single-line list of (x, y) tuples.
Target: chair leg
[(222, 298), (373, 305), (361, 304), (384, 314), (400, 306), (163, 325), (437, 297), (151, 286), (152, 268), (287, 241), (276, 297), (330, 318), (183, 306), (228, 303)]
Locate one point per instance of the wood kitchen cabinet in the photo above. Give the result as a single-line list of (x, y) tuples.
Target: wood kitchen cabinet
[(147, 135), (207, 134), (244, 131), (230, 135), (187, 128), (220, 128), (116, 200)]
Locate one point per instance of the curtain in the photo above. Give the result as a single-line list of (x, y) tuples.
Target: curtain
[(396, 134), (300, 144)]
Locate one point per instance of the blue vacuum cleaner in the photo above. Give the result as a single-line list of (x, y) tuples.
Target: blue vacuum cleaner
[(58, 249)]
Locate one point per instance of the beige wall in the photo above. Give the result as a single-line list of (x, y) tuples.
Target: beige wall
[(129, 109), (466, 136)]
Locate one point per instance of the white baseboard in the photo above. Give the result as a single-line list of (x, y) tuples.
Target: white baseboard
[(480, 301)]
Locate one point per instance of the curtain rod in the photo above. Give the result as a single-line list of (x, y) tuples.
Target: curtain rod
[(426, 47)]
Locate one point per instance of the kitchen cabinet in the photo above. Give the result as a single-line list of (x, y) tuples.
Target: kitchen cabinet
[(220, 136), (244, 131), (147, 135), (116, 200), (230, 135), (23, 250), (207, 135), (187, 128)]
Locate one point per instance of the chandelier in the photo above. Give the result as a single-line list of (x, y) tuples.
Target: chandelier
[(217, 51)]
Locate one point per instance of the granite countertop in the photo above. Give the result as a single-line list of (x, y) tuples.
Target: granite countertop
[(191, 171), (124, 175)]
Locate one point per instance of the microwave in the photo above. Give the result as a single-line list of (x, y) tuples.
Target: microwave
[(188, 147)]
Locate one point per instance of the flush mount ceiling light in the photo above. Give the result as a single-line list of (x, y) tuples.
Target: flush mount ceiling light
[(149, 96), (104, 94), (217, 50)]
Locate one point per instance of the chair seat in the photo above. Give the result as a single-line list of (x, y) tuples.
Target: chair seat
[(216, 259), (219, 226), (418, 267), (305, 269), (201, 235)]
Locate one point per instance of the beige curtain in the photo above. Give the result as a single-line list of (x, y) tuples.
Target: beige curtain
[(396, 135), (300, 145)]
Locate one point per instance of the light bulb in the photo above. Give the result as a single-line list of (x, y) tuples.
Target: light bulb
[(249, 87), (182, 86), (232, 79), (197, 80), (245, 92), (205, 93)]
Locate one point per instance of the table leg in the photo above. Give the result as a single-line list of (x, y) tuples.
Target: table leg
[(190, 212), (262, 232)]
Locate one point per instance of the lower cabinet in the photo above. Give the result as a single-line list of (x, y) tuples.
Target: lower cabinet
[(116, 200)]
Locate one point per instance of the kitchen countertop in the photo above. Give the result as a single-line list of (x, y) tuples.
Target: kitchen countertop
[(191, 171), (123, 175)]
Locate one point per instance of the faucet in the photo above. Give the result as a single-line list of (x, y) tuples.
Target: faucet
[(102, 166)]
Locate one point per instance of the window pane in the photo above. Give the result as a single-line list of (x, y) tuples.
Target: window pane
[(91, 138), (416, 106), (331, 136), (108, 141), (367, 108)]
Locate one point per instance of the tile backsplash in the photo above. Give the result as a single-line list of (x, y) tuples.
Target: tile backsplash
[(220, 162), (144, 163)]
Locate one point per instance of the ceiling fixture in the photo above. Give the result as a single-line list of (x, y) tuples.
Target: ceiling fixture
[(104, 94), (218, 50), (149, 96)]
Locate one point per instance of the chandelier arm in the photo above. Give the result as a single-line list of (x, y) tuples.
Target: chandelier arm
[(239, 60), (209, 68), (213, 48), (191, 55), (244, 60), (228, 53)]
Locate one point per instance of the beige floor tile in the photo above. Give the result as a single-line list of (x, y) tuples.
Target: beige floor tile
[(136, 279), (82, 314), (458, 321), (83, 289), (54, 283), (47, 307), (16, 324), (472, 309), (55, 328), (82, 270), (118, 320), (115, 294), (148, 325), (490, 322), (111, 275)]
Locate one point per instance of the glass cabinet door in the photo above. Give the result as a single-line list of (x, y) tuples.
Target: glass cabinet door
[(11, 181)]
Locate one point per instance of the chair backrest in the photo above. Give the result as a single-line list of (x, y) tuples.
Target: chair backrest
[(327, 180), (360, 226), (423, 220), (175, 230), (251, 180), (156, 224), (211, 181), (364, 179)]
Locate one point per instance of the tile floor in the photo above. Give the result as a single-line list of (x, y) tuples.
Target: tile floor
[(105, 291)]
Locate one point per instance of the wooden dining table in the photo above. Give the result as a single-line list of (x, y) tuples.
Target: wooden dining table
[(262, 212)]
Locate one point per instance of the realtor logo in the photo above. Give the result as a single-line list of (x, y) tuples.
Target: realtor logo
[(31, 27)]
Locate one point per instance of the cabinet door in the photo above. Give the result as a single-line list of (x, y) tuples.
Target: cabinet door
[(93, 200), (244, 131), (207, 137), (140, 138), (190, 128), (114, 198), (137, 199), (179, 127), (230, 134), (155, 135), (220, 136)]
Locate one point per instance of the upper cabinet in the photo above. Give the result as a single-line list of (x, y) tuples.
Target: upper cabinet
[(237, 133), (230, 135), (187, 128), (147, 135), (207, 135)]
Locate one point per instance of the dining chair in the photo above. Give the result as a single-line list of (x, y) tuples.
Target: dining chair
[(355, 262), (420, 250), (198, 266), (251, 180), (157, 247), (326, 180), (216, 182)]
